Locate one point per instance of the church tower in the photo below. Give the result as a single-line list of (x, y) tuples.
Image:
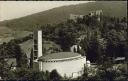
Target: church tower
[(37, 44)]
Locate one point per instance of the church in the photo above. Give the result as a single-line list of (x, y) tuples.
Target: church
[(68, 64)]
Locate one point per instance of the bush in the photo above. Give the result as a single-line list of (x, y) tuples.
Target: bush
[(27, 74), (54, 75)]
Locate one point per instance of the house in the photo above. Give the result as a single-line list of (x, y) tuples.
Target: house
[(75, 17), (97, 13)]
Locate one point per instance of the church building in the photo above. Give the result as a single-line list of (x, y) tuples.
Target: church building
[(68, 64)]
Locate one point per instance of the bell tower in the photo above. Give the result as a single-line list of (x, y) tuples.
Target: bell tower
[(37, 44)]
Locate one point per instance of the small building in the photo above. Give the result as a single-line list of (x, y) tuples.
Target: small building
[(75, 17), (97, 13), (75, 48)]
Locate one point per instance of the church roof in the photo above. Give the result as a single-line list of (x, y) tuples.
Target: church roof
[(60, 55)]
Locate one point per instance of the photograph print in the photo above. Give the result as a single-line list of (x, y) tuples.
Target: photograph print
[(64, 40)]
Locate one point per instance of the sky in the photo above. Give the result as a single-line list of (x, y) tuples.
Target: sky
[(16, 9)]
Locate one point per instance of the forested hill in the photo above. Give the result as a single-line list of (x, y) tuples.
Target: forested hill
[(57, 15)]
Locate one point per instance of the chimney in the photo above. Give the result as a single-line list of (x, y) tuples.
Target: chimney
[(39, 43)]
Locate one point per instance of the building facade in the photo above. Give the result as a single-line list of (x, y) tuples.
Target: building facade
[(67, 64)]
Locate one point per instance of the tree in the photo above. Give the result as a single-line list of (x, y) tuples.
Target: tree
[(66, 38), (54, 75), (31, 59), (74, 49), (4, 68), (20, 56), (78, 49), (13, 50), (124, 19)]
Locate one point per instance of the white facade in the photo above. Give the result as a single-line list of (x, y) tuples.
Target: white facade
[(71, 67)]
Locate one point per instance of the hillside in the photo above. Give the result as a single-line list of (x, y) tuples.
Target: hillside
[(7, 34), (60, 14)]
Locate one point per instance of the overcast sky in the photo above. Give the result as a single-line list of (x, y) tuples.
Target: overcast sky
[(15, 9)]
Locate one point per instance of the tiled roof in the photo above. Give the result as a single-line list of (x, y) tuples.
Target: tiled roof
[(60, 55)]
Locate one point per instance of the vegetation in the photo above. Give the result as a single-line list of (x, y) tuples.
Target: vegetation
[(29, 74), (105, 38), (23, 39), (102, 40), (104, 72), (11, 50), (55, 76)]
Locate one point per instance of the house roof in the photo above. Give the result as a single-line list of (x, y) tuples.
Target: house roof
[(60, 55)]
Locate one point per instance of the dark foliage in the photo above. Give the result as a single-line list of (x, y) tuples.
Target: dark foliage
[(107, 37), (54, 75)]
